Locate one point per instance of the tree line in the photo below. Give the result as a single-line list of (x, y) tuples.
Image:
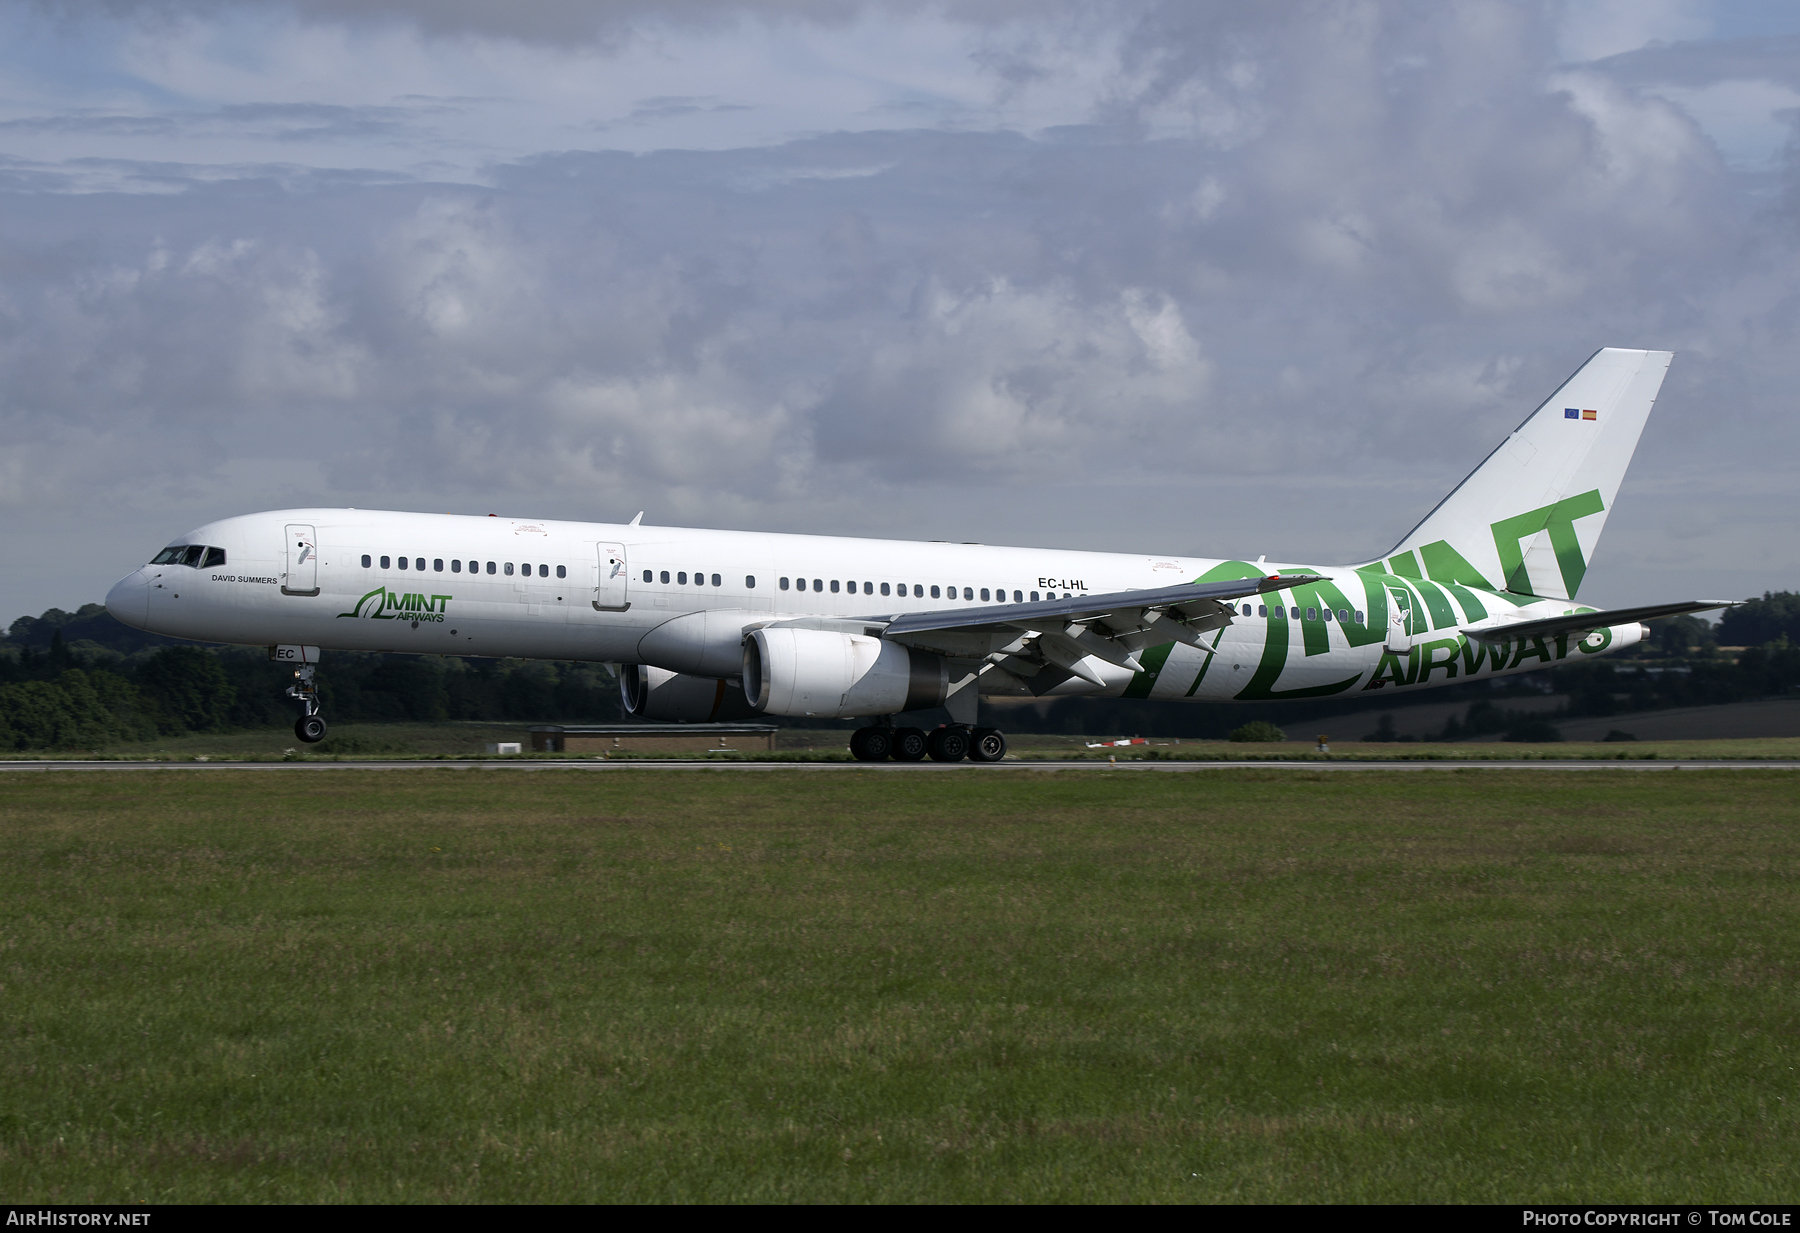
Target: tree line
[(81, 680)]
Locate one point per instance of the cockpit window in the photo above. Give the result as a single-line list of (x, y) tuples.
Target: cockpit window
[(197, 555)]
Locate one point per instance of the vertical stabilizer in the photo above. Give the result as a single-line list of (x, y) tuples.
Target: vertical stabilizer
[(1527, 519)]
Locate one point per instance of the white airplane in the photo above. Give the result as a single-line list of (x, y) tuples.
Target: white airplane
[(709, 625)]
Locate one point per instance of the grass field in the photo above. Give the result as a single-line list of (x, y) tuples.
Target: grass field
[(361, 742), (431, 986)]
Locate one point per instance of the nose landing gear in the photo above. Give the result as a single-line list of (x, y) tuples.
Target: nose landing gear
[(310, 727)]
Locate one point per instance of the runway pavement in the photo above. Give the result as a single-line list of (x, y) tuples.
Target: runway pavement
[(917, 768)]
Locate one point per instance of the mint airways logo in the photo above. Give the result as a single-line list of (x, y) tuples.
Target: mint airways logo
[(1440, 562), (382, 604), (1559, 520)]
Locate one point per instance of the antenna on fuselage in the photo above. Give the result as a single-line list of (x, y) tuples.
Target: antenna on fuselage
[(638, 519)]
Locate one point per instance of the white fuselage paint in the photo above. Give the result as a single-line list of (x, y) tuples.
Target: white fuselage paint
[(441, 611)]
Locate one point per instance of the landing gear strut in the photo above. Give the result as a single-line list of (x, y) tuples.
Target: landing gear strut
[(951, 743), (310, 727)]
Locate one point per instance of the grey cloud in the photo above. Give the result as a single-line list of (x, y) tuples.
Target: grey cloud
[(668, 107), (536, 21), (281, 122), (1773, 58)]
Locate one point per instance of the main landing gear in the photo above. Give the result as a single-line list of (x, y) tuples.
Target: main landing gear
[(310, 727), (951, 743)]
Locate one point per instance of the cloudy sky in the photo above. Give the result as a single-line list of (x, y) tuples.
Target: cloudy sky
[(1210, 278)]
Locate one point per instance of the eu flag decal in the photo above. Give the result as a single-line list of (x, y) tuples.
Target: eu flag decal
[(1571, 413), (1590, 415)]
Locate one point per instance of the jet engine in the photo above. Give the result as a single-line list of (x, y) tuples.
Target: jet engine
[(675, 697), (824, 673)]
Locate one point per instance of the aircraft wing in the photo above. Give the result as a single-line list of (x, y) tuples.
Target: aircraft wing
[(1044, 643), (1508, 631)]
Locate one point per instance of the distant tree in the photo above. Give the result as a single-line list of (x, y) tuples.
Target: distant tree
[(1775, 615), (1675, 637), (1384, 730), (187, 688), (1258, 730)]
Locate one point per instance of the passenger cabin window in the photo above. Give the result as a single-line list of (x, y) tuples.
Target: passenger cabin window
[(387, 563), (1034, 597), (884, 588), (491, 568), (456, 566), (437, 563), (665, 575), (783, 584), (749, 582), (1343, 615), (868, 588), (366, 561), (1359, 616), (818, 584), (934, 592), (834, 586), (1312, 614), (1326, 614), (402, 562), (716, 580), (648, 576), (509, 569), (562, 571), (1018, 597), (969, 592), (681, 577)]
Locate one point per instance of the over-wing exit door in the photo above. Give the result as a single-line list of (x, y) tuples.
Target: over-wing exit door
[(302, 577), (610, 596)]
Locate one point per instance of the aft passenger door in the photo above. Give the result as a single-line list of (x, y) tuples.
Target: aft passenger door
[(1399, 633), (302, 576), (615, 578)]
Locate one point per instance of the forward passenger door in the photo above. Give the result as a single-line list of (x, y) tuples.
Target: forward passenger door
[(302, 576), (614, 579)]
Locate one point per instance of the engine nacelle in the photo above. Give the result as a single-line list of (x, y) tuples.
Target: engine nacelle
[(709, 643), (820, 672), (674, 697)]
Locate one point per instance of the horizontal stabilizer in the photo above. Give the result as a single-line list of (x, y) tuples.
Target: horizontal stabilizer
[(1513, 630)]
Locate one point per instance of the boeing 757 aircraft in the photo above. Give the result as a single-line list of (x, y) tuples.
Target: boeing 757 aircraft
[(709, 625)]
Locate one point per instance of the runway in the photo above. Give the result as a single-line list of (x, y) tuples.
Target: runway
[(919, 768)]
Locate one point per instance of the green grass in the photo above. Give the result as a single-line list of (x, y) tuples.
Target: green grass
[(365, 742), (453, 987)]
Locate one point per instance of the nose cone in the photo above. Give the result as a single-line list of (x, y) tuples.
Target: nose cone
[(129, 600)]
